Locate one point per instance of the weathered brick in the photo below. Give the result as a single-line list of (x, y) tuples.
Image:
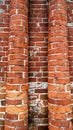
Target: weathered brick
[(38, 31), (17, 75), (50, 64), (58, 76)]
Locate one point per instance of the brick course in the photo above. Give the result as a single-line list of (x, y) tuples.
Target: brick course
[(36, 67)]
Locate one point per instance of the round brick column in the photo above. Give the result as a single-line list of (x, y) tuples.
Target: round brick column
[(17, 77), (59, 94)]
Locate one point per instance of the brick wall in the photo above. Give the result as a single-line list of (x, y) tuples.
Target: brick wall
[(36, 47), (38, 65), (4, 32)]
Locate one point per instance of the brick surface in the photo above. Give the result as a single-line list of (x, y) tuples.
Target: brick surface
[(17, 74), (70, 38), (42, 30), (4, 32), (38, 41), (58, 58)]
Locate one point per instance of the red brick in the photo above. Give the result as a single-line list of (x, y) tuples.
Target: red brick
[(57, 60), (17, 75), (50, 62)]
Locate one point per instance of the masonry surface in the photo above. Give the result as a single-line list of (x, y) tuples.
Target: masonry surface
[(36, 64)]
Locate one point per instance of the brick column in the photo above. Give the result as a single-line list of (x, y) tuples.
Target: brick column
[(17, 77), (59, 94), (70, 40)]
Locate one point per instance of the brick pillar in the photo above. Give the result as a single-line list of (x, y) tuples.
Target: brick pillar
[(17, 77), (59, 94), (70, 40)]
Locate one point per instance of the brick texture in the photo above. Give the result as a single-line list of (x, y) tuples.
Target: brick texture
[(70, 39), (16, 116), (58, 67), (36, 64), (4, 32)]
